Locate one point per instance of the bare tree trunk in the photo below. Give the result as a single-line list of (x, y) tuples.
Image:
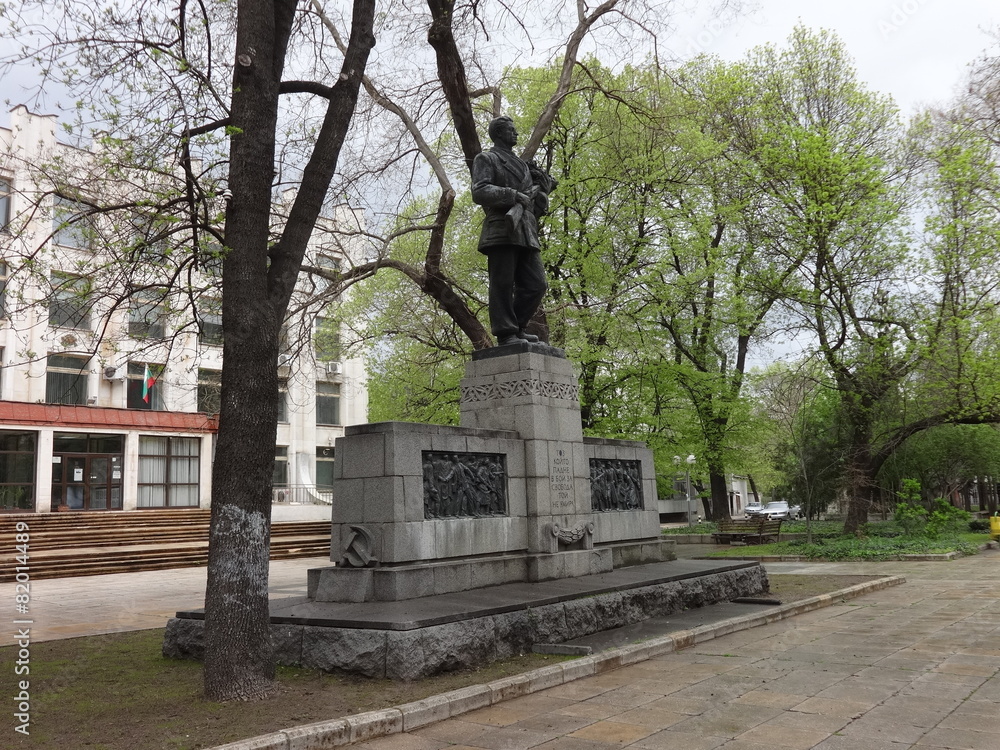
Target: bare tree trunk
[(258, 280), (860, 485), (719, 509), (239, 661)]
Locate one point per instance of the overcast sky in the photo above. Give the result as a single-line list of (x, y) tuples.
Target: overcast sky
[(915, 50)]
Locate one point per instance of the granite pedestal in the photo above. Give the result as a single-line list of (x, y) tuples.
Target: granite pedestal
[(516, 493), (455, 546), (419, 637)]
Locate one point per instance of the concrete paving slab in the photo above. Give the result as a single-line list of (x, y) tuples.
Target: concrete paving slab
[(118, 602), (889, 671), (930, 663)]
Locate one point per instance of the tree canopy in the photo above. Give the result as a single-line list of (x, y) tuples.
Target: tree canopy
[(707, 213)]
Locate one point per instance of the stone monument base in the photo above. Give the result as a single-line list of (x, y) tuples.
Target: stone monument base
[(407, 640), (457, 546), (414, 580)]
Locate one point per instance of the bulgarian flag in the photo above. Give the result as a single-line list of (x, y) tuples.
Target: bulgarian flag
[(147, 384)]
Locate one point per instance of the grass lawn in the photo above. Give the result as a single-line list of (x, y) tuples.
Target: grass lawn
[(879, 540), (848, 548), (117, 692)]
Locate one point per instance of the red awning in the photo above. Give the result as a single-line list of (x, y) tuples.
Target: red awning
[(96, 417)]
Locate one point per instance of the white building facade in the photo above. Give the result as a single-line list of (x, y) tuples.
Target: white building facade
[(108, 399)]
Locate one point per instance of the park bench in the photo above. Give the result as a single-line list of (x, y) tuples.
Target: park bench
[(748, 530)]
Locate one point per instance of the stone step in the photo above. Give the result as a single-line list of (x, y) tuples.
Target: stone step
[(73, 538), (157, 558), (104, 519), (132, 541)]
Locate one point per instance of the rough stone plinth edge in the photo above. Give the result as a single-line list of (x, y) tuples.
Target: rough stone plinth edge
[(457, 702)]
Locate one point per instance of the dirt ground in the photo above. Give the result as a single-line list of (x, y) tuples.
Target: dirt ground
[(116, 692)]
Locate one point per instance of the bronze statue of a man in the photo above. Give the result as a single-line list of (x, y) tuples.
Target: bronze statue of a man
[(513, 193)]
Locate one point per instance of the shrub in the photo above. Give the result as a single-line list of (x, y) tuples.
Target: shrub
[(945, 518), (979, 524), (909, 491), (912, 519)]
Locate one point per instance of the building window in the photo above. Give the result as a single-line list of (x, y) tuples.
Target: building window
[(70, 225), (143, 386), (280, 476), (327, 403), (17, 471), (83, 442), (4, 203), (3, 289), (69, 303), (329, 264), (87, 471), (209, 258), (210, 323), (168, 472), (209, 391), (147, 315), (326, 340), (324, 466), (149, 241), (282, 399), (65, 380)]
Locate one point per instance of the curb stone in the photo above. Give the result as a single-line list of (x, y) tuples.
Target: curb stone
[(366, 726)]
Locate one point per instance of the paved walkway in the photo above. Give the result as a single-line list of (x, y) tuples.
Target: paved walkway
[(90, 605), (912, 666)]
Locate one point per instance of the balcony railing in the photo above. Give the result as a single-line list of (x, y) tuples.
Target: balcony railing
[(302, 494)]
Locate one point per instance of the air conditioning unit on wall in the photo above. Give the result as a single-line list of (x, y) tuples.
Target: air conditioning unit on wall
[(114, 374), (284, 360), (334, 368)]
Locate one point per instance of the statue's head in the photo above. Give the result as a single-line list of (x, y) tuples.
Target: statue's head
[(502, 130)]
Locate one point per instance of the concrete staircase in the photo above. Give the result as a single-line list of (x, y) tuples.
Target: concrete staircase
[(94, 543)]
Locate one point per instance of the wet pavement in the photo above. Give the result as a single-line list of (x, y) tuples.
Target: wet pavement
[(911, 666)]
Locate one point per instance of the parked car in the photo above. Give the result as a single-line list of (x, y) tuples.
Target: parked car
[(778, 509), (752, 509)]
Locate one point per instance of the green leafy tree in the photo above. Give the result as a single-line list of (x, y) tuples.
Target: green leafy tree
[(946, 459), (807, 445), (841, 171)]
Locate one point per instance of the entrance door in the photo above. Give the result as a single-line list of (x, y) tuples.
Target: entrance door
[(87, 482)]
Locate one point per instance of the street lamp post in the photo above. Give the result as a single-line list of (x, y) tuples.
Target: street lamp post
[(687, 483), (687, 473)]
